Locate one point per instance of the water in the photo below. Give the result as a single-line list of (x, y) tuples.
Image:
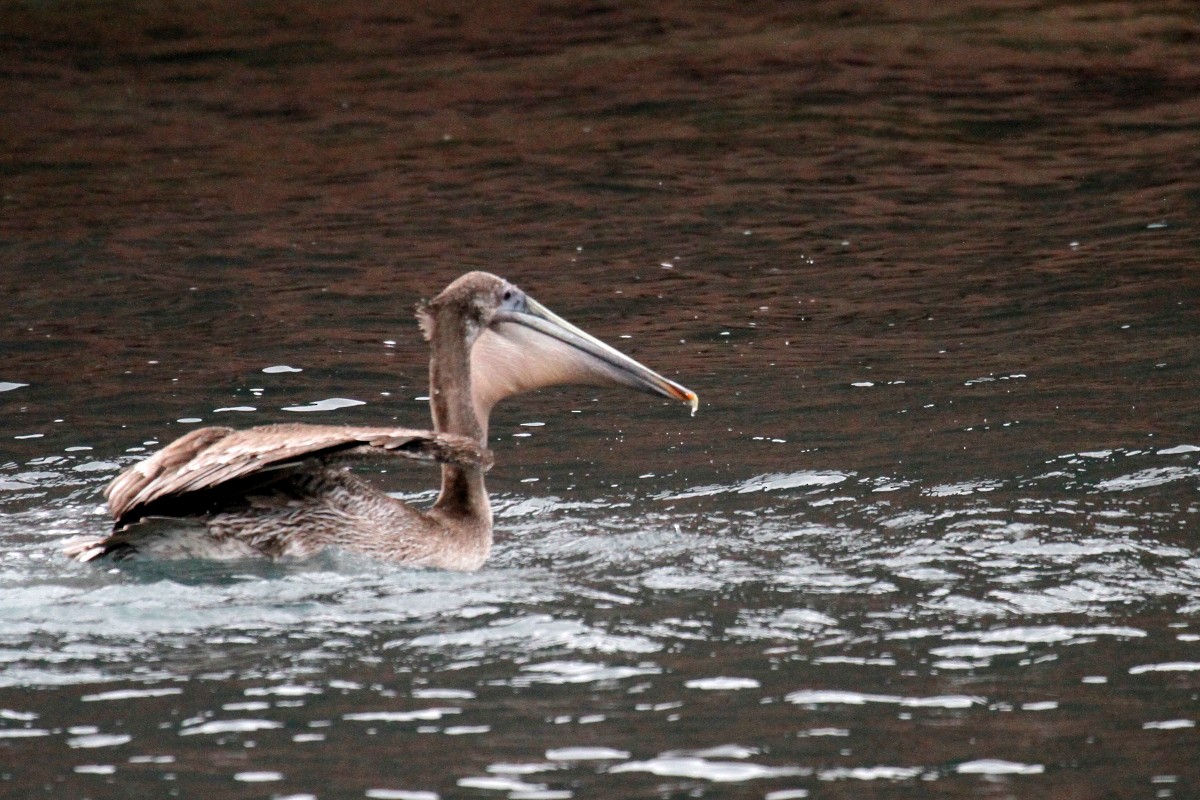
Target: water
[(932, 533)]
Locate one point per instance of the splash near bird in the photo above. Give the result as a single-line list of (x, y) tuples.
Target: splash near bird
[(284, 490)]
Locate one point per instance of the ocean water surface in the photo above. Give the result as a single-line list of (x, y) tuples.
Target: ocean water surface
[(932, 273)]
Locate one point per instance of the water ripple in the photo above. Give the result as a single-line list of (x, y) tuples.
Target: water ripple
[(716, 771)]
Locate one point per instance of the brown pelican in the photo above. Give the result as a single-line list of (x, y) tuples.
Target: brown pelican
[(283, 490)]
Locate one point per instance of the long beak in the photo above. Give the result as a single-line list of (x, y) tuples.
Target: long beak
[(592, 361)]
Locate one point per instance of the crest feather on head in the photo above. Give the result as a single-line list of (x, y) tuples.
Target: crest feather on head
[(425, 320)]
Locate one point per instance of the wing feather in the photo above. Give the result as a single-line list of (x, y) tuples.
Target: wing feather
[(208, 457)]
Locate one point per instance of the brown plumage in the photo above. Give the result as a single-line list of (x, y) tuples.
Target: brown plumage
[(283, 490), (209, 457)]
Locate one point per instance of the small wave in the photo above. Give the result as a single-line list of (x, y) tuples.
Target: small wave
[(231, 726), (773, 482), (329, 404), (816, 697), (995, 766), (702, 768), (1144, 479)]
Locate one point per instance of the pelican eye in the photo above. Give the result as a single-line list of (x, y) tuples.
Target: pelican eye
[(512, 299)]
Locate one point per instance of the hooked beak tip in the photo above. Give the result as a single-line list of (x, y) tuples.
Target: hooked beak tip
[(687, 396)]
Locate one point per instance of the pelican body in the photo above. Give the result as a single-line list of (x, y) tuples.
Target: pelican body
[(279, 491)]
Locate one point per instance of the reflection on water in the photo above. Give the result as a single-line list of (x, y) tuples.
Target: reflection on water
[(931, 534)]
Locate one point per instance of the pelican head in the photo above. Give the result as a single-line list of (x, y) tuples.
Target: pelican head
[(516, 345)]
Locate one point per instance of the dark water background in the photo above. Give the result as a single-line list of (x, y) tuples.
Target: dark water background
[(932, 269)]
